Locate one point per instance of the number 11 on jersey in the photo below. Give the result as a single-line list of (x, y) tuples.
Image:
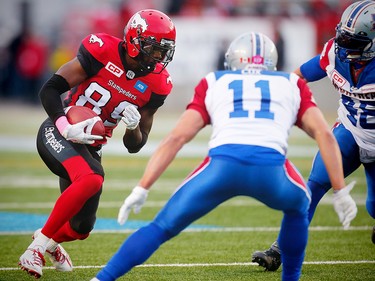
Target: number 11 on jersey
[(238, 110)]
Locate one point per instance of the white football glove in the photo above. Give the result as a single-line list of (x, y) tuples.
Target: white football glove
[(344, 205), (76, 132), (134, 201), (131, 117)]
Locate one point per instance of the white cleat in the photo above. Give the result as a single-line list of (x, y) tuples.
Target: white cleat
[(32, 262), (59, 258)]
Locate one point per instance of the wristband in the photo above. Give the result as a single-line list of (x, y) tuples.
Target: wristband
[(61, 124)]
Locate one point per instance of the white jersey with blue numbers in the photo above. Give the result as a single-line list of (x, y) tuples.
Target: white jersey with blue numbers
[(357, 101), (252, 107)]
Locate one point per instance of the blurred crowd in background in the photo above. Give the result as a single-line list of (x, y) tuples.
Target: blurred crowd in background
[(29, 57)]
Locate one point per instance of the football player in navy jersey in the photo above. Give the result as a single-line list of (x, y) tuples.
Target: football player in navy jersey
[(119, 80), (243, 104), (348, 61)]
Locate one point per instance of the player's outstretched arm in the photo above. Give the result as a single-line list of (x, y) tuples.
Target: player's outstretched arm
[(189, 124)]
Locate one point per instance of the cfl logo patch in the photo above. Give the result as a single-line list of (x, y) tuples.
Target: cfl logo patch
[(111, 67)]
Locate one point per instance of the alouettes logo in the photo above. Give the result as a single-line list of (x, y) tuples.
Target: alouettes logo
[(257, 59), (338, 79), (111, 67), (139, 22), (95, 39)]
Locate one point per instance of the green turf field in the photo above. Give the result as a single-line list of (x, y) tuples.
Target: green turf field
[(219, 254), (222, 253)]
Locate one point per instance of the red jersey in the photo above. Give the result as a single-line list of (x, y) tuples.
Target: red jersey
[(111, 86)]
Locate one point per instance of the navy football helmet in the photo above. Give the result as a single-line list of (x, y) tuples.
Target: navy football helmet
[(355, 34)]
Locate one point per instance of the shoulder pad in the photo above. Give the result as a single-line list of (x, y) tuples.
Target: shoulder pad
[(100, 44)]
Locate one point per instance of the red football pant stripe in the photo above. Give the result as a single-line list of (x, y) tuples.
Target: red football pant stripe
[(84, 185)]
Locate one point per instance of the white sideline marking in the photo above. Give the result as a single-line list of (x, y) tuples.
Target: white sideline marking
[(205, 264)]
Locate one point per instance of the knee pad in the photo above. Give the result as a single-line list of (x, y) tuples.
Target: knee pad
[(93, 182), (82, 228)]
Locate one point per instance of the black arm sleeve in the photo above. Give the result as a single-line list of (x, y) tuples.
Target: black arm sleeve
[(155, 101), (136, 148), (50, 96)]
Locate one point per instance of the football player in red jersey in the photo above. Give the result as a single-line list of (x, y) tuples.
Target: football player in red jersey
[(120, 80)]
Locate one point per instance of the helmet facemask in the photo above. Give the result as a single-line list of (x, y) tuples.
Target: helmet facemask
[(152, 52), (351, 47)]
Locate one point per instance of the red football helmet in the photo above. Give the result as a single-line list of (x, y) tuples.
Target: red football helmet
[(151, 35)]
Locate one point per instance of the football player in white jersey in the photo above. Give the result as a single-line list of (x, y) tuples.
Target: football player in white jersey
[(348, 61), (251, 108)]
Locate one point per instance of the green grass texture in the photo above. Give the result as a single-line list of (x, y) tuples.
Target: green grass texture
[(223, 253)]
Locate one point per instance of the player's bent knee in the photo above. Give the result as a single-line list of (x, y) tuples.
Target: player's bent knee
[(370, 206), (82, 229), (80, 236), (94, 182), (83, 236)]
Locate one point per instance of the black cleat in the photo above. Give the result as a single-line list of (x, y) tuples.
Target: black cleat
[(269, 259), (373, 235)]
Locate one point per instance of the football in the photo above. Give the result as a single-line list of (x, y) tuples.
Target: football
[(76, 114)]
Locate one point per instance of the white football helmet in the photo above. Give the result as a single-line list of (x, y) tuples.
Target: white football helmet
[(251, 50), (355, 34)]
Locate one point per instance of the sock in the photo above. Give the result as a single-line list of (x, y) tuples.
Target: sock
[(66, 234), (40, 243), (51, 245), (134, 251), (292, 242)]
